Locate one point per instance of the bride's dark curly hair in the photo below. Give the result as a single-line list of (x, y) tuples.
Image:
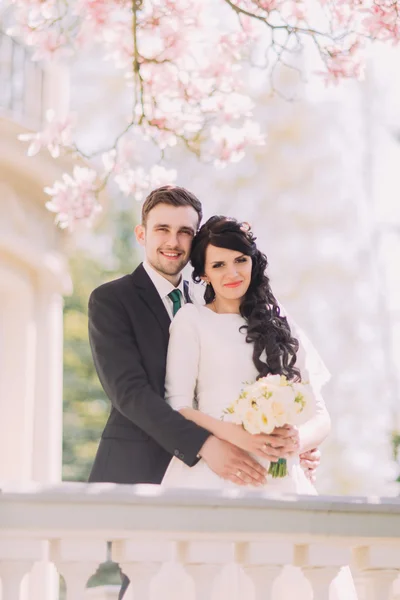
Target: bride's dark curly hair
[(267, 329)]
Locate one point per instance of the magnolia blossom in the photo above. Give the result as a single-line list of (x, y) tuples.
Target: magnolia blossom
[(184, 68), (382, 21), (74, 198), (341, 65), (138, 182), (228, 144), (57, 135), (49, 45), (34, 11)]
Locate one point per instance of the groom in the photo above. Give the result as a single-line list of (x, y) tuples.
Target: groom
[(129, 322)]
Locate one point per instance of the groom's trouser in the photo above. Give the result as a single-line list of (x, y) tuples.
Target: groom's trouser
[(124, 587)]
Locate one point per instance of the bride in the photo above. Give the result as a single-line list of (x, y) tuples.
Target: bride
[(239, 335)]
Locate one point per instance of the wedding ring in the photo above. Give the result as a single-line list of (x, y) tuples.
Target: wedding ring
[(238, 473)]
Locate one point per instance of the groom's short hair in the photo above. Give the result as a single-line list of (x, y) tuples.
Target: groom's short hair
[(172, 195)]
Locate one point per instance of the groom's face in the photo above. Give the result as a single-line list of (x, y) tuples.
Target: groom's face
[(167, 238)]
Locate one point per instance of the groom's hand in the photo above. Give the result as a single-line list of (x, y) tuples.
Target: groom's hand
[(232, 463), (310, 461)]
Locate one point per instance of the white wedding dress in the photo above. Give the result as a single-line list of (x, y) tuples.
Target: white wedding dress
[(208, 363)]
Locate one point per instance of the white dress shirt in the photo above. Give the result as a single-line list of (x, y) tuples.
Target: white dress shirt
[(164, 287)]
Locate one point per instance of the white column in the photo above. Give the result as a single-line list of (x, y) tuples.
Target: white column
[(47, 441), (77, 560), (17, 376), (56, 93), (46, 445)]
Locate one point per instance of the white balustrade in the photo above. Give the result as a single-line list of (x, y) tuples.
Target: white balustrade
[(204, 561), (76, 560), (379, 565), (141, 561), (215, 545), (17, 557), (263, 562), (321, 564)]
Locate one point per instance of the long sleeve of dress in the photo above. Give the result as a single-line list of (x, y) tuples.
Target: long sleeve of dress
[(311, 366), (183, 359)]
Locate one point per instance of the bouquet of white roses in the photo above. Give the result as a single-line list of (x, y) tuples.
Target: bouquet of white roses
[(272, 401)]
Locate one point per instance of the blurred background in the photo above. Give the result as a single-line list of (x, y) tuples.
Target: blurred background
[(322, 198)]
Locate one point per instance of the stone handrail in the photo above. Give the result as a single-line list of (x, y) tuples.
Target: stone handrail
[(199, 535)]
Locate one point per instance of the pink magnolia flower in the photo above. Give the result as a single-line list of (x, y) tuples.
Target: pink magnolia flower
[(34, 11), (74, 198), (341, 63), (383, 21), (132, 182), (57, 134), (185, 70), (228, 144), (138, 182), (49, 44), (159, 176)]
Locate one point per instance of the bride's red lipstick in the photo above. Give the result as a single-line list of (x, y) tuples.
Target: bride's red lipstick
[(233, 285)]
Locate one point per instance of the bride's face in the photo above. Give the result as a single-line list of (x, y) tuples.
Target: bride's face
[(228, 271)]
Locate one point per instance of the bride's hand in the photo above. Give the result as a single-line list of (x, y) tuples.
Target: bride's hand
[(287, 438), (278, 444)]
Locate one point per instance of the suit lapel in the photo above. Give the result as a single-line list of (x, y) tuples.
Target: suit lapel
[(151, 298), (186, 292)]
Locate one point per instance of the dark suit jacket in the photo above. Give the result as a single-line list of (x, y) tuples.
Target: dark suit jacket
[(129, 332)]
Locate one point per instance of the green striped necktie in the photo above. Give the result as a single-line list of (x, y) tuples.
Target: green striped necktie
[(176, 298)]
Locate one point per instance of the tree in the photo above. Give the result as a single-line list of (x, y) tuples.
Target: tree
[(185, 69), (86, 406)]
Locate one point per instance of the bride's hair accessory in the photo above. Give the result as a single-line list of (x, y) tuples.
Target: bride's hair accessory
[(245, 227)]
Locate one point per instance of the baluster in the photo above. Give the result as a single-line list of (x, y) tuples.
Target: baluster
[(380, 566), (17, 557), (262, 563), (321, 564), (11, 575), (381, 582), (321, 579), (361, 584), (77, 560), (140, 561), (204, 561)]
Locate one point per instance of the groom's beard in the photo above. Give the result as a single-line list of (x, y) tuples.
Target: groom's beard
[(167, 266)]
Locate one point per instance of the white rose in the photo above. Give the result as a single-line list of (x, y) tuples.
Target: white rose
[(279, 412), (251, 421), (271, 380)]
